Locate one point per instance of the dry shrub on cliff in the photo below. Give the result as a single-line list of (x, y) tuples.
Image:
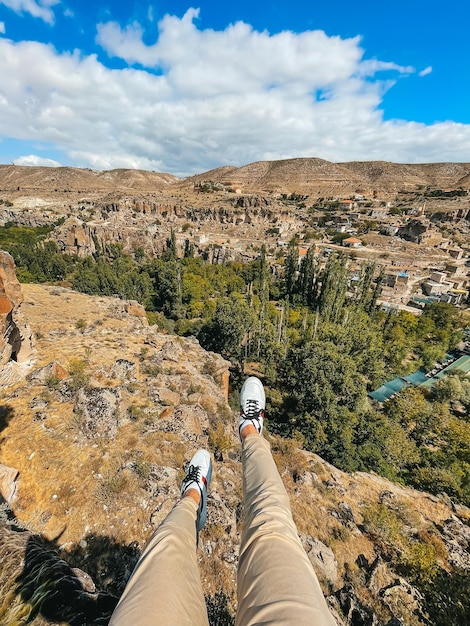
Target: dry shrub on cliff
[(289, 457)]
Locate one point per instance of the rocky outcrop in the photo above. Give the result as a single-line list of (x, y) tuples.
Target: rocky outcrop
[(42, 588), (75, 237), (98, 412), (45, 375), (15, 337), (10, 299), (8, 476)]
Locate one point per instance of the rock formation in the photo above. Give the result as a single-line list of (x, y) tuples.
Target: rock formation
[(15, 337)]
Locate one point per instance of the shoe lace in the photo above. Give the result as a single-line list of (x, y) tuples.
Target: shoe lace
[(192, 475), (252, 409)]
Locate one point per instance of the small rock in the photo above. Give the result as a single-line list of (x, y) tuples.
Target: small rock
[(172, 351), (346, 513), (37, 403), (124, 370), (84, 578), (40, 416), (385, 496), (168, 397)]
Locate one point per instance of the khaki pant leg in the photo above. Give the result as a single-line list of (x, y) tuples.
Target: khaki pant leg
[(276, 581), (165, 587)]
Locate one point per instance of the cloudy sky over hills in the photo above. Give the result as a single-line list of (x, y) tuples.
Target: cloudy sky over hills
[(183, 88)]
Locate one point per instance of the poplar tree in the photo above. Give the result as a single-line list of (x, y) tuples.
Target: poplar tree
[(263, 292), (367, 275), (333, 288), (306, 280), (290, 269)]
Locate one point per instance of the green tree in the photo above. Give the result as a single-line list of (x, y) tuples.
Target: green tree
[(290, 269), (322, 392), (308, 276), (228, 330), (333, 288)]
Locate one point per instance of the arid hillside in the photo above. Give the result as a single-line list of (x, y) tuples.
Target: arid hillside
[(316, 177), (94, 435), (69, 179), (309, 176)]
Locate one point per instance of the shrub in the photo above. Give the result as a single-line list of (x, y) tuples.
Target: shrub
[(52, 381), (80, 325), (383, 524), (135, 412), (289, 457), (219, 440), (419, 562)]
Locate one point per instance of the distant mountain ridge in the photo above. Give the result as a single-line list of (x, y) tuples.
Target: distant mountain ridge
[(309, 176), (305, 175), (77, 179)]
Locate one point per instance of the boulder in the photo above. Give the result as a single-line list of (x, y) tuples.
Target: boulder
[(124, 370), (98, 409), (404, 601), (8, 476), (190, 421), (456, 536), (166, 396), (322, 558), (172, 351), (47, 373), (355, 612), (132, 307)]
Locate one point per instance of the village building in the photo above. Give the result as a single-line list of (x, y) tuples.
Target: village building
[(396, 281), (419, 231), (352, 242), (431, 288), (379, 212)]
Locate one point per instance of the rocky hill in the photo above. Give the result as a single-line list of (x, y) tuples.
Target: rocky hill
[(312, 176), (317, 177), (70, 179), (92, 444)]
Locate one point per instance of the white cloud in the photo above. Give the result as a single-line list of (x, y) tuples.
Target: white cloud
[(207, 63), (34, 159), (40, 8), (2, 28), (212, 98), (426, 71)]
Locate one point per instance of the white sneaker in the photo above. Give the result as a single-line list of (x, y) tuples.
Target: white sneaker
[(252, 404), (199, 476)]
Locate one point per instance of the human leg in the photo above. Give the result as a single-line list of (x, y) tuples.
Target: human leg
[(276, 581), (165, 587)]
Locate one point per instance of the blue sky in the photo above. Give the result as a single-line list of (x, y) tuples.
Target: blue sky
[(184, 87)]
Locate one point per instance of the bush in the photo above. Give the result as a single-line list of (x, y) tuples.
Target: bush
[(289, 457), (219, 440), (80, 325), (419, 562), (383, 524)]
